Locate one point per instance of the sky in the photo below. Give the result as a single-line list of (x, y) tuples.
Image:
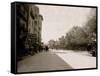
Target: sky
[(58, 20)]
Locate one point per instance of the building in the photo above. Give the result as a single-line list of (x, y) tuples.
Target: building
[(21, 28), (34, 27), (29, 26)]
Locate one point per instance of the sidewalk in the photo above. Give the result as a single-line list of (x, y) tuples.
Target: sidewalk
[(44, 61)]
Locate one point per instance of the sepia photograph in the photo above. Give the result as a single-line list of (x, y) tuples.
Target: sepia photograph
[(53, 37)]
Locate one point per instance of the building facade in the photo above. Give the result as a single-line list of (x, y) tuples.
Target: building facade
[(29, 26), (34, 27)]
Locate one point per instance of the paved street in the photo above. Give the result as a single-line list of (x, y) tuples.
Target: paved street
[(42, 62), (77, 60), (57, 60)]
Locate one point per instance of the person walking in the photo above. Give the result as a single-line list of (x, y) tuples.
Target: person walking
[(46, 48)]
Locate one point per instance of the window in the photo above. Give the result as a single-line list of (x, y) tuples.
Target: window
[(35, 22)]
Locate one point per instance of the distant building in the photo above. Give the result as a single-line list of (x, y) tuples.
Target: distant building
[(29, 26)]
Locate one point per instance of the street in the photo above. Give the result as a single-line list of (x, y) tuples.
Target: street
[(56, 60), (77, 60)]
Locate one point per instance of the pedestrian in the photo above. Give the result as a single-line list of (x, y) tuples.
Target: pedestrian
[(46, 48), (89, 47)]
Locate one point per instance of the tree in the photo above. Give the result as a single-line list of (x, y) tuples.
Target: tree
[(90, 28), (75, 38), (62, 42), (51, 44)]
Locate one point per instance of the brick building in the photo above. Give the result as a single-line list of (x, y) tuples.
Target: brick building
[(29, 26)]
